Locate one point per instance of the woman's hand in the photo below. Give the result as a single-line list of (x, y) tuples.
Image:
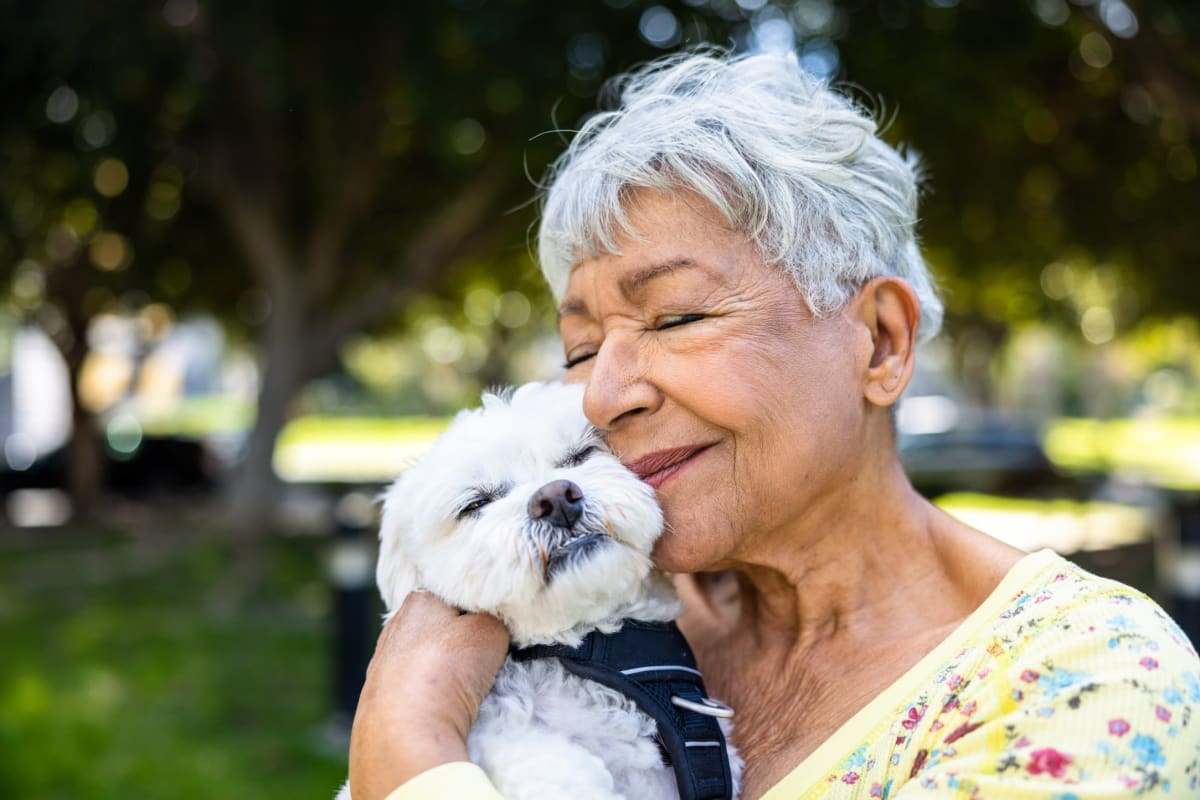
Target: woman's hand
[(431, 669)]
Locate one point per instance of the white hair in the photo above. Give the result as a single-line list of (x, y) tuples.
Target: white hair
[(792, 164)]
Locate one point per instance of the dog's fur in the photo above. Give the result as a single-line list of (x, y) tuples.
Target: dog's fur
[(458, 524)]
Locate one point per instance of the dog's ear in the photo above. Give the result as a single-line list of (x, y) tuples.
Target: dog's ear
[(396, 573), (496, 397)]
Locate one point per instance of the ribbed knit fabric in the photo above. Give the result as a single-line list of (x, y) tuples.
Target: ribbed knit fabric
[(1060, 686)]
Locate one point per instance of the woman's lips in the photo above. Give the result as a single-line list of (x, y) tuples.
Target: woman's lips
[(657, 467)]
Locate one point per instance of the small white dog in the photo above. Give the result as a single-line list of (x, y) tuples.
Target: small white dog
[(521, 511)]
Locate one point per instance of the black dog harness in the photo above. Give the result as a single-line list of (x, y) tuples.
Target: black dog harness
[(652, 664)]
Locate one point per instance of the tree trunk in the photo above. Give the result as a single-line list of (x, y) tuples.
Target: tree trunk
[(85, 455), (256, 491), (85, 458), (296, 350)]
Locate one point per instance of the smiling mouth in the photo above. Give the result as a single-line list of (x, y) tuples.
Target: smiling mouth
[(571, 551), (658, 467)]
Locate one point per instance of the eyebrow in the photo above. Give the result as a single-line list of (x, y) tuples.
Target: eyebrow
[(631, 284), (571, 308)]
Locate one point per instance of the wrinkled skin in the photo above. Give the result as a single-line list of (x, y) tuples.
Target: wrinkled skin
[(804, 536)]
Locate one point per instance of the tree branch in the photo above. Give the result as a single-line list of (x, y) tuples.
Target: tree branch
[(254, 219), (1164, 68), (359, 180), (442, 240)]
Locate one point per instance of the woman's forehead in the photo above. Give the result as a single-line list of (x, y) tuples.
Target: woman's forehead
[(633, 281), (680, 238)]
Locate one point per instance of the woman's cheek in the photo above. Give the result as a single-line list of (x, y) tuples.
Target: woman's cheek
[(698, 339), (576, 375)]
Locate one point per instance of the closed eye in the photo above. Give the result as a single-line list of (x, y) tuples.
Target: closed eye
[(473, 506), (665, 323), (578, 456), (661, 324), (479, 498), (571, 362)]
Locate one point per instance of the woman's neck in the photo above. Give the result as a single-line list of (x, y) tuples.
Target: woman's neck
[(876, 563)]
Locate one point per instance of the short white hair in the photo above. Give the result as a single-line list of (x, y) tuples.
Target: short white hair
[(789, 162)]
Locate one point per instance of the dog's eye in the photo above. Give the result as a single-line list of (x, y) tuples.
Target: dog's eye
[(473, 506), (579, 456)]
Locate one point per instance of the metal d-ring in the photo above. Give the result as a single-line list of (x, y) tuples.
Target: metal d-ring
[(707, 706)]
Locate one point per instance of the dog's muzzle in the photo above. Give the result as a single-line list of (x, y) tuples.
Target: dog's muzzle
[(559, 503), (560, 538)]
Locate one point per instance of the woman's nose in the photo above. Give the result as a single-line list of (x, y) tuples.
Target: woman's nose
[(619, 385)]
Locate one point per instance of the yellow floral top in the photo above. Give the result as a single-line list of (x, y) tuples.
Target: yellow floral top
[(1060, 686)]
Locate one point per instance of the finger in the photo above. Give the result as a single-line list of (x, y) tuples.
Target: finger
[(427, 605), (484, 627), (420, 612)]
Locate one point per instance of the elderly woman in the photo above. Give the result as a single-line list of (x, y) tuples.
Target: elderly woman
[(741, 292)]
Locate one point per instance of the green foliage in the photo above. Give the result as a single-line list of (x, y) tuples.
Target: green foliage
[(323, 177), (124, 674), (1046, 135), (1047, 138)]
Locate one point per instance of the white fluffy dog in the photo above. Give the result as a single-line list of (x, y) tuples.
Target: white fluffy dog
[(521, 511)]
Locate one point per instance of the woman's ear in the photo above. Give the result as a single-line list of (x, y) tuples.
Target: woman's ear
[(889, 308), (396, 573)]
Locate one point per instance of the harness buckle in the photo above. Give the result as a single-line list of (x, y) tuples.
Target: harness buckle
[(707, 706)]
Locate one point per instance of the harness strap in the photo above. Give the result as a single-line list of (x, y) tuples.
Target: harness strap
[(651, 662)]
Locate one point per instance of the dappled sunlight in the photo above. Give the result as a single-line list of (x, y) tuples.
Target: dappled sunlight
[(1164, 452), (352, 450), (1067, 526), (253, 263)]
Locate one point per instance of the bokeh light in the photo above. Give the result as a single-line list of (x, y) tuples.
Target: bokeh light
[(512, 309), (98, 129), (123, 434), (110, 177), (1119, 18), (155, 321), (659, 27), (28, 285), (1097, 325), (61, 244), (467, 137), (443, 344), (1095, 50), (1052, 12), (62, 104), (110, 251), (81, 217), (479, 305)]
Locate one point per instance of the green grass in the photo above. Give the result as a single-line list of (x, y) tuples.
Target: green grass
[(1164, 451), (352, 449), (125, 671)]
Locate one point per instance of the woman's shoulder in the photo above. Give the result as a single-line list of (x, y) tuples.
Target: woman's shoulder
[(1077, 681), (1063, 614), (1061, 683)]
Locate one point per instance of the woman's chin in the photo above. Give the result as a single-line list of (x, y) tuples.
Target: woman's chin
[(678, 552)]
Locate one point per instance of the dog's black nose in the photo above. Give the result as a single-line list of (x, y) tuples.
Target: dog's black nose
[(559, 502)]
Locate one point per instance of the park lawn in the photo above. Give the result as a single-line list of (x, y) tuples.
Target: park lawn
[(125, 671), (1163, 451)]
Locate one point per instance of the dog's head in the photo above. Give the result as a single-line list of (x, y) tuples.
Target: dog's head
[(520, 511)]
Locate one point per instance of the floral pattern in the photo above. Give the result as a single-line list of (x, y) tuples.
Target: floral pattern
[(1078, 688)]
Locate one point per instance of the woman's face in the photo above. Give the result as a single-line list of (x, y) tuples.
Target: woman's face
[(713, 381)]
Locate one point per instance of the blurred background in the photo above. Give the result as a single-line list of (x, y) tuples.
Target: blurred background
[(253, 254)]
